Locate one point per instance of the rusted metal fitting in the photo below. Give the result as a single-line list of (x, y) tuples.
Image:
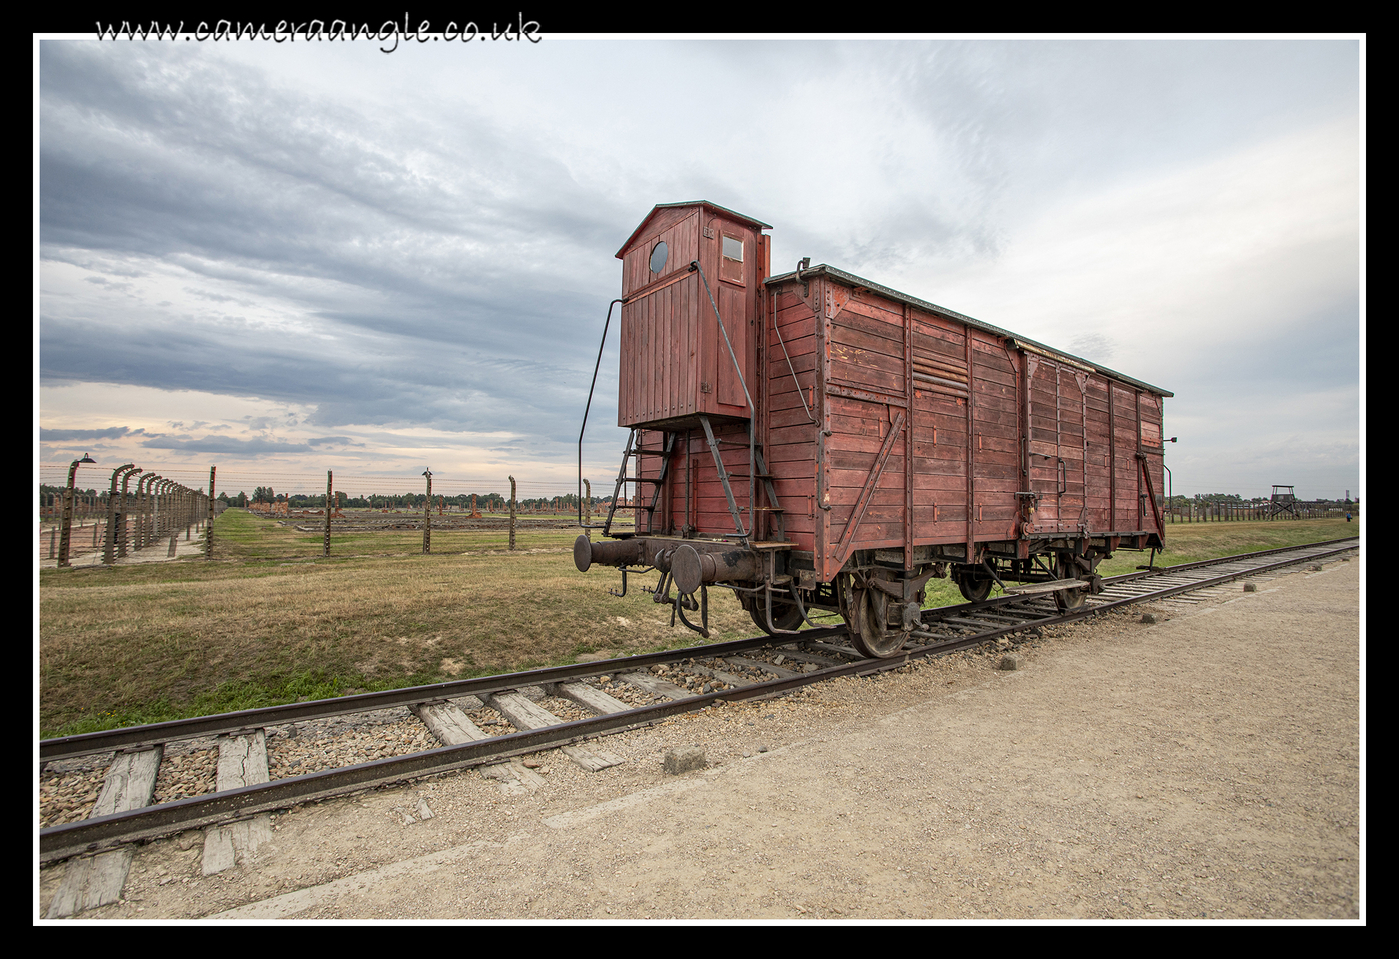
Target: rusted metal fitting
[(690, 568), (626, 552)]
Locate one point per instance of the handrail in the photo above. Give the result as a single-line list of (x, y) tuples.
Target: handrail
[(801, 394), (596, 366)]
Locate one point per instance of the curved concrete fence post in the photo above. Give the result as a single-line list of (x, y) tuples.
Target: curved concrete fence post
[(65, 533)]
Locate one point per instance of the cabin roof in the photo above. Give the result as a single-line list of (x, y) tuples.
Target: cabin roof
[(757, 224)]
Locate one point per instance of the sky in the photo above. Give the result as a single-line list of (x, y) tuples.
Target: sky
[(283, 259)]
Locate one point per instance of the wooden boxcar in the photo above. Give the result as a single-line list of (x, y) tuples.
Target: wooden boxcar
[(817, 440)]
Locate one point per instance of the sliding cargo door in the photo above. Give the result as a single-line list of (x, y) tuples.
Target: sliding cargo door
[(865, 426), (1128, 487), (1056, 446)]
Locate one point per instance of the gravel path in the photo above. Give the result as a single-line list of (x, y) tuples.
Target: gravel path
[(1207, 766)]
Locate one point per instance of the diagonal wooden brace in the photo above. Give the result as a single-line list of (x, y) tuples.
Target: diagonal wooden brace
[(866, 494)]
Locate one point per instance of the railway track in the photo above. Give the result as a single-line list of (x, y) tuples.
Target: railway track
[(675, 682)]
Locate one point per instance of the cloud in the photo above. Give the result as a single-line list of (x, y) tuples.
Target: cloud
[(226, 444), (47, 435)]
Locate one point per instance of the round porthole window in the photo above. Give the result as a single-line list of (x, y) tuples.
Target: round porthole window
[(658, 257)]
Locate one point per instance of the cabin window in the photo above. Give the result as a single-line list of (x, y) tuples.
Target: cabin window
[(731, 263), (658, 257)]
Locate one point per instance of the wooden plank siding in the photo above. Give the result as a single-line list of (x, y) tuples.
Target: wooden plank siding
[(1099, 456), (995, 445), (1055, 448), (1126, 474), (679, 229), (791, 433), (1079, 457), (1152, 444)]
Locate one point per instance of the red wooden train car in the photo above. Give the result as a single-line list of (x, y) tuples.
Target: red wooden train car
[(816, 440)]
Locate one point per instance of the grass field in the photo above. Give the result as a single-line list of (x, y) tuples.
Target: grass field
[(271, 621)]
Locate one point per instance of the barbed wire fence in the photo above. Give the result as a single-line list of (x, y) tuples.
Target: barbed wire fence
[(126, 510), (90, 514), (1206, 512)]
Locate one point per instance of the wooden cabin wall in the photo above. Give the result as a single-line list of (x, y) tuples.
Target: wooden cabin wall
[(680, 230), (674, 360), (660, 336)]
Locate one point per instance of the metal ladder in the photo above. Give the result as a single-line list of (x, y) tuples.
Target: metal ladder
[(757, 470), (634, 449), (658, 482)]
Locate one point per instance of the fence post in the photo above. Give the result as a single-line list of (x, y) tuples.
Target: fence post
[(427, 514), (109, 549), (66, 522), (124, 510), (329, 495), (512, 512), (588, 503), (138, 541), (209, 526)]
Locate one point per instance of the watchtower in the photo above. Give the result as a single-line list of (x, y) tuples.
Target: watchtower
[(1283, 501)]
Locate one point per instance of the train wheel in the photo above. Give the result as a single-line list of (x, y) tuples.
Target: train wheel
[(1068, 600), (863, 609), (784, 615), (972, 581), (974, 589)]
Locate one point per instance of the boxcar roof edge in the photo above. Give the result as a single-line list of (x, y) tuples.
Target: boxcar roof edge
[(893, 294)]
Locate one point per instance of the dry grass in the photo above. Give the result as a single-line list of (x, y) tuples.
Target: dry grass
[(163, 640), (245, 536)]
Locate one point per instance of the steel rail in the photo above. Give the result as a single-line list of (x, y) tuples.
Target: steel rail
[(954, 644), (93, 835), (1012, 599)]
